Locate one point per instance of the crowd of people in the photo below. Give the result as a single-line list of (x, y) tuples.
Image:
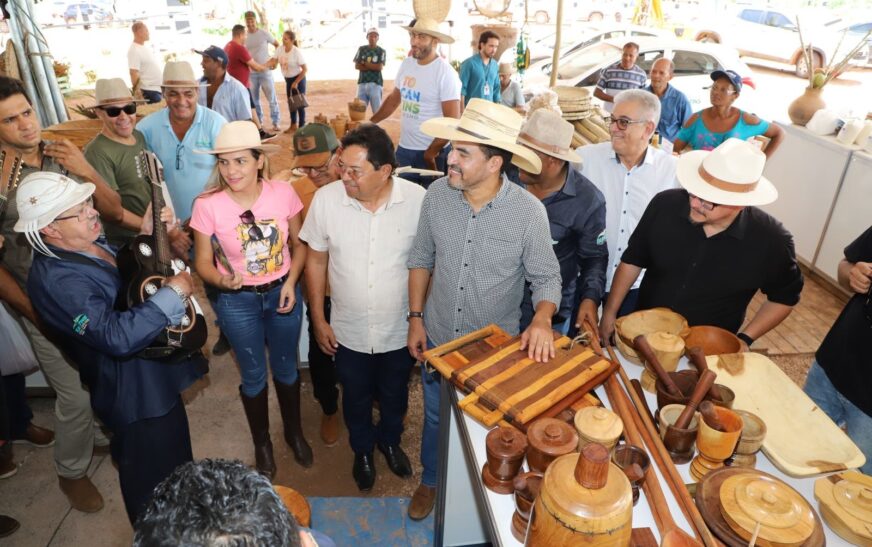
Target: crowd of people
[(521, 231)]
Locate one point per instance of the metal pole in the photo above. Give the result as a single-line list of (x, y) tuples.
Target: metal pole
[(60, 108), (49, 116), (24, 64)]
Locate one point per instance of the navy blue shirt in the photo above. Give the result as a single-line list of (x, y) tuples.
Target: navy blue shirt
[(674, 111), (577, 218)]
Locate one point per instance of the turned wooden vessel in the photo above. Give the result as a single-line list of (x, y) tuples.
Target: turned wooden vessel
[(296, 504), (634, 462), (668, 348), (505, 447), (686, 380), (548, 439), (751, 440), (584, 500), (712, 340), (683, 440), (715, 446), (645, 322), (527, 487), (598, 425), (846, 505)]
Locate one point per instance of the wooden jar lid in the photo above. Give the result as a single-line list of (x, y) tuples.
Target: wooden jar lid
[(506, 443), (599, 424), (784, 516), (552, 437), (846, 504)]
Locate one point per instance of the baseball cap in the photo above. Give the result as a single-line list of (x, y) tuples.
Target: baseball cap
[(372, 30), (216, 53), (313, 145), (731, 75)]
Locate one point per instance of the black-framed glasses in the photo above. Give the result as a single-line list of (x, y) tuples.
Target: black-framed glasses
[(180, 164), (82, 214), (316, 170), (115, 111), (622, 123), (254, 231), (707, 205)]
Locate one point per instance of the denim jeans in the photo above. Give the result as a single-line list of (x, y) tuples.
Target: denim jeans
[(430, 435), (842, 411), (151, 97), (301, 87), (364, 377), (250, 322), (264, 80), (370, 93), (415, 158)]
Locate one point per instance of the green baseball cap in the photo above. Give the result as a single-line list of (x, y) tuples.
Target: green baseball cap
[(313, 145)]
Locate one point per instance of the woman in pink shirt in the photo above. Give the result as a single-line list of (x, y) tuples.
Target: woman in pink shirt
[(255, 223)]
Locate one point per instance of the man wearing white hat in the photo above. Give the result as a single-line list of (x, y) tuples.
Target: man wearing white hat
[(480, 237), (707, 249), (427, 87), (510, 90), (576, 215), (370, 60)]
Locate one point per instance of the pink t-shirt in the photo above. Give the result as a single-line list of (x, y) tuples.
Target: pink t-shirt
[(259, 257)]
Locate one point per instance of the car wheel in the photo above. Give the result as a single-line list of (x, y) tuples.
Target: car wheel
[(595, 17), (708, 37), (801, 69), (541, 17)]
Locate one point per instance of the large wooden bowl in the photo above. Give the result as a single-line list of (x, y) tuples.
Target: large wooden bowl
[(627, 328), (296, 504), (712, 340)]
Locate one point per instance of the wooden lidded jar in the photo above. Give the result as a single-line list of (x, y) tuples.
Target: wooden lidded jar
[(598, 425), (584, 500), (505, 447), (549, 439)]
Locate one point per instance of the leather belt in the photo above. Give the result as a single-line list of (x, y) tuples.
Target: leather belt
[(266, 287)]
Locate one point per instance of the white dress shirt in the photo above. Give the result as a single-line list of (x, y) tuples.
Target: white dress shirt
[(369, 280), (627, 192)]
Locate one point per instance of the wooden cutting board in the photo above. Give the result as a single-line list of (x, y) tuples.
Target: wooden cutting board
[(801, 440)]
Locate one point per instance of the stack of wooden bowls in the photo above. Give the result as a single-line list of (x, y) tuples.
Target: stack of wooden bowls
[(643, 322), (574, 102)]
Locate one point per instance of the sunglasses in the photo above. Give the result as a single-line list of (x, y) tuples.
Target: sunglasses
[(115, 111), (254, 230), (622, 123)]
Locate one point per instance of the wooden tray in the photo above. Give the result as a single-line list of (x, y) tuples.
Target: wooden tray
[(707, 499), (801, 440)]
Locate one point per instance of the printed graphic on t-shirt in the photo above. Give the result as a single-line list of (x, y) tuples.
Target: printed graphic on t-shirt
[(411, 97), (261, 246)]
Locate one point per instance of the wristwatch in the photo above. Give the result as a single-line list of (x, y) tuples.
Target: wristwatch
[(178, 291), (413, 314)]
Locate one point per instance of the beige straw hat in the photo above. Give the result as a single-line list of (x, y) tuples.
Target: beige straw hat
[(547, 132), (507, 68), (236, 136), (179, 74), (430, 27), (113, 91), (731, 174)]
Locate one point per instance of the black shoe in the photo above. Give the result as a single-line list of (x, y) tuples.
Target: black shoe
[(363, 471), (397, 460), (222, 346), (8, 526), (264, 135)]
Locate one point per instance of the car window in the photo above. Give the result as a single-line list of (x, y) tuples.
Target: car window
[(585, 59), (647, 58), (861, 28), (752, 15), (589, 81), (776, 19), (640, 33), (694, 62)]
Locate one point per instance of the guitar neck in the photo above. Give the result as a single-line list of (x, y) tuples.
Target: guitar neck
[(10, 178), (163, 256)]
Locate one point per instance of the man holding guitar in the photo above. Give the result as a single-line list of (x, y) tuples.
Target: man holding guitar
[(74, 285)]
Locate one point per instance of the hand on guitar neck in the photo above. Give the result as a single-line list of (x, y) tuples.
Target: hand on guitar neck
[(179, 240)]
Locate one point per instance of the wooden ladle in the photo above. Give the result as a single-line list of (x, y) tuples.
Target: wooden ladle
[(644, 348)]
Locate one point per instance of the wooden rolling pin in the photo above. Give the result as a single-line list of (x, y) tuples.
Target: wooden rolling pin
[(697, 357), (644, 348)]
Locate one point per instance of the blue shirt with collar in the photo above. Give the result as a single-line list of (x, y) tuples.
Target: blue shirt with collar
[(674, 111), (185, 172), (231, 99), (475, 75)]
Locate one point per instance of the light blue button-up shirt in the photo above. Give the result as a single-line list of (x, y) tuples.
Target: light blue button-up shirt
[(674, 111), (231, 99), (185, 172)]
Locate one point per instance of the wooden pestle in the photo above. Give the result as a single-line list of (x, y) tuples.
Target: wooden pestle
[(644, 348), (706, 381), (710, 415), (697, 357)]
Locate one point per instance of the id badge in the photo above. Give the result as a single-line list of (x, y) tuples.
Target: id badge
[(486, 90)]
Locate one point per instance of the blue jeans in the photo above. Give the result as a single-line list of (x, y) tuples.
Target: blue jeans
[(248, 320), (301, 88), (264, 80), (415, 158), (430, 434), (151, 96), (370, 93), (364, 377), (842, 411)]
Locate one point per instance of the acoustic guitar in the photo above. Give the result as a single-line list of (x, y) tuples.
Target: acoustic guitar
[(146, 263)]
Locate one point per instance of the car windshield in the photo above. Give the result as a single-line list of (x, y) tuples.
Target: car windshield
[(586, 59)]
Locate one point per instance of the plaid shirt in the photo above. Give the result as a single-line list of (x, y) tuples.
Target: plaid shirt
[(480, 260)]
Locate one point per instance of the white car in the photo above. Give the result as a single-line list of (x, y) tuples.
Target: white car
[(580, 37), (694, 62)]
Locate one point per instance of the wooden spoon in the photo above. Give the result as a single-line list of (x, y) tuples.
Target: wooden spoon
[(644, 348)]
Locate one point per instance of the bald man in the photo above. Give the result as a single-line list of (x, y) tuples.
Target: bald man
[(674, 106)]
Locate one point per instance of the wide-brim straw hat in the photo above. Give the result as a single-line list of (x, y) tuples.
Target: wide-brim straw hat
[(547, 132), (112, 91), (487, 123), (430, 27), (731, 174), (236, 136), (179, 74)]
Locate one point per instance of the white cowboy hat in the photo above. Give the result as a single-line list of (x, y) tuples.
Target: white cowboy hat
[(731, 174), (430, 27), (236, 136), (488, 123), (179, 74), (113, 91), (547, 132)]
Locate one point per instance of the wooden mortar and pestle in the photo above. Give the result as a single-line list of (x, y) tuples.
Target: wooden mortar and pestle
[(719, 394), (679, 438), (526, 490), (668, 348)]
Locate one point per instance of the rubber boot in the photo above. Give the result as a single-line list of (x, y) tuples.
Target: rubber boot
[(257, 413), (289, 403)]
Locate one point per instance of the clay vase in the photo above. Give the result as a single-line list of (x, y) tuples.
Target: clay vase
[(584, 500), (715, 446), (548, 439), (803, 107), (505, 447), (527, 487)]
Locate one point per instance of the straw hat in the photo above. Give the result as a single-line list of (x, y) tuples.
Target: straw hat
[(507, 68), (488, 123), (731, 174), (179, 74), (547, 132), (113, 91), (430, 27), (236, 136)]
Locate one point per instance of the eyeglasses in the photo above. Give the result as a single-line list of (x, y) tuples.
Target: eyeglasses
[(82, 215), (179, 163), (115, 111), (622, 123), (316, 170), (254, 230), (725, 90), (706, 205)]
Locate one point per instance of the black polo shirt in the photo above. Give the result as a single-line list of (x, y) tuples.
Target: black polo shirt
[(711, 280), (844, 353)]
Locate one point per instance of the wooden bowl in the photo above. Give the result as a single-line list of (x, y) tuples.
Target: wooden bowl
[(753, 433), (630, 326), (712, 340), (296, 504), (669, 413)]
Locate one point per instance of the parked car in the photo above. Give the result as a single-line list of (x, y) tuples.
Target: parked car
[(694, 62), (772, 35), (94, 13), (580, 38), (854, 33)]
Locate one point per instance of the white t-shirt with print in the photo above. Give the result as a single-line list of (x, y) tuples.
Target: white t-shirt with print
[(423, 89), (291, 62)]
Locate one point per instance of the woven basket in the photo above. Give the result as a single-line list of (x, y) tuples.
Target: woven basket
[(433, 9), (357, 110), (492, 8), (10, 61), (339, 125)]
